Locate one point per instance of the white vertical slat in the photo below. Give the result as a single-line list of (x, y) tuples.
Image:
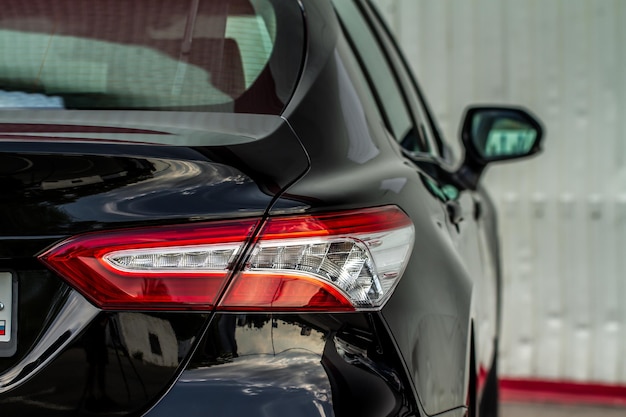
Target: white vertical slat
[(575, 93), (432, 30), (490, 37), (619, 237), (549, 277), (563, 215), (461, 49), (605, 348), (519, 280)]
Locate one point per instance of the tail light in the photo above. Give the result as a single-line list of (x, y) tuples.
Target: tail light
[(330, 262), (173, 267), (333, 261)]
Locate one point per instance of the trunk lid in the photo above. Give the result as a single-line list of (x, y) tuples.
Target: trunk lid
[(66, 173)]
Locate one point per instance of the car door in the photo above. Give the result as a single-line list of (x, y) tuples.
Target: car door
[(412, 126)]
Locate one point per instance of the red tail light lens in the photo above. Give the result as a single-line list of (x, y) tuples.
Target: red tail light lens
[(330, 262), (262, 291), (173, 267)]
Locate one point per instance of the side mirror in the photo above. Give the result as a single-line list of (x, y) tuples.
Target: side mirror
[(491, 134)]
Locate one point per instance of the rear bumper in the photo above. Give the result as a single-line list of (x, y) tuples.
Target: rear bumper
[(296, 365), (192, 364)]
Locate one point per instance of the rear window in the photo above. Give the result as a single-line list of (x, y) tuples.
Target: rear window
[(194, 55)]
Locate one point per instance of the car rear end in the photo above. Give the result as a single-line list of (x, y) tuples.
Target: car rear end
[(141, 153), (168, 286)]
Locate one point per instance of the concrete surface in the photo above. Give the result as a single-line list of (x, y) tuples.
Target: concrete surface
[(559, 410)]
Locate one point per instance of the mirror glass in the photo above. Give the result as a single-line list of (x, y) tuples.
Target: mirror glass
[(502, 134)]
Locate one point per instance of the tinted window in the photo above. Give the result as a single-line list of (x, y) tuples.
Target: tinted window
[(357, 78), (424, 117), (364, 111), (381, 75), (142, 54)]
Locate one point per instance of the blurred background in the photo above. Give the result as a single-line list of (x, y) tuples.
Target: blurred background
[(562, 214)]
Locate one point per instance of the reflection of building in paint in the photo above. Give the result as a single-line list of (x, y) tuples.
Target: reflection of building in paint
[(149, 338), (288, 383), (510, 141), (258, 339)]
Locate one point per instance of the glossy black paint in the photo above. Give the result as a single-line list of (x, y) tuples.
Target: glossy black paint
[(305, 365), (120, 363), (328, 151), (430, 313), (41, 296), (56, 188)]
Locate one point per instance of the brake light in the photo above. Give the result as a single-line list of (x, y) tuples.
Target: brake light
[(170, 267), (329, 262)]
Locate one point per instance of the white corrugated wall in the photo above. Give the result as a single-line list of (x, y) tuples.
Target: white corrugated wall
[(563, 214)]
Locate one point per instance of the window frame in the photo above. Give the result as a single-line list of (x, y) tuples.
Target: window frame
[(425, 144), (410, 83)]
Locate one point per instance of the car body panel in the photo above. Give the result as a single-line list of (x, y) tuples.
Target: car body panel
[(305, 365), (433, 301), (71, 172), (63, 187)]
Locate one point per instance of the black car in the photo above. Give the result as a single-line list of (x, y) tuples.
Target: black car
[(239, 208)]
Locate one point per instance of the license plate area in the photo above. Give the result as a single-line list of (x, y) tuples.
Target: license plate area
[(8, 314)]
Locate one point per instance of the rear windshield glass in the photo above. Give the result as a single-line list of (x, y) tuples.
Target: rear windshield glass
[(183, 55)]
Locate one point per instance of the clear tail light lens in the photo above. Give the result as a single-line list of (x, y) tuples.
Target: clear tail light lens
[(329, 262), (350, 260)]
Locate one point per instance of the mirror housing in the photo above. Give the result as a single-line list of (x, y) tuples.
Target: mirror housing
[(496, 133)]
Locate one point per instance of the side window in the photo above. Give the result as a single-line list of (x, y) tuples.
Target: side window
[(426, 121), (372, 115), (382, 78)]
